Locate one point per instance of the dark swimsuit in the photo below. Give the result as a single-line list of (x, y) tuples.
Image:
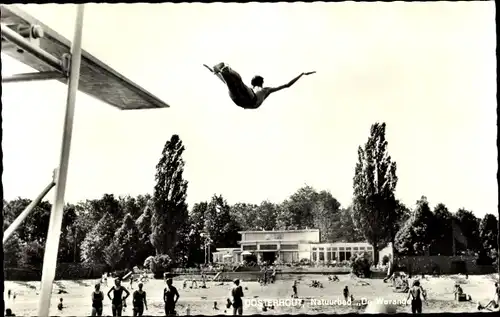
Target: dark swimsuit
[(241, 94), (416, 301), (117, 296), (117, 302), (97, 299), (138, 302), (169, 294)]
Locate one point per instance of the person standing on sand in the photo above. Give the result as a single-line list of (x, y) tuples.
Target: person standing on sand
[(170, 297), (117, 300), (139, 301), (237, 293), (104, 279), (97, 298), (416, 293), (346, 293)]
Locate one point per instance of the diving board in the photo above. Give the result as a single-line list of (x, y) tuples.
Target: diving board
[(96, 78)]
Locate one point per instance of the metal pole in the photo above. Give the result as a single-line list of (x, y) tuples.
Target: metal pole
[(11, 36), (52, 244), (32, 77), (14, 225)]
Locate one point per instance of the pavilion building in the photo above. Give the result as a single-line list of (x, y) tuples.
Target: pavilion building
[(291, 246)]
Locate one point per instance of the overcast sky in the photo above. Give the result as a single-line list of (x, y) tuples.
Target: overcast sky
[(426, 69)]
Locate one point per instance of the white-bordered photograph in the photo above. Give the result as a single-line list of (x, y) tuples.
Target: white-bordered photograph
[(249, 159)]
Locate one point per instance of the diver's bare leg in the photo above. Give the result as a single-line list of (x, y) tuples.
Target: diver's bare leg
[(216, 73)]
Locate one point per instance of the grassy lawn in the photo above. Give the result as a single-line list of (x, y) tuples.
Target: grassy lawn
[(77, 300)]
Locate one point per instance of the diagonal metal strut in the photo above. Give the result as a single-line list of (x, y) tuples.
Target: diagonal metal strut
[(38, 76)]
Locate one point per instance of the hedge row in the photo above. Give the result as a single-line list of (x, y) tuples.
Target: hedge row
[(19, 274), (74, 271), (64, 271)]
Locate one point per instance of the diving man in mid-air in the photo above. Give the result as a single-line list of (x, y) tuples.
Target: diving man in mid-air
[(242, 95)]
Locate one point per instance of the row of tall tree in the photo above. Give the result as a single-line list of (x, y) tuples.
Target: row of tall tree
[(382, 219), (123, 232)]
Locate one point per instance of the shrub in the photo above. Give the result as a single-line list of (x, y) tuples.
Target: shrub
[(484, 259), (360, 265), (161, 263), (148, 263), (385, 260), (12, 251), (305, 261), (32, 255)]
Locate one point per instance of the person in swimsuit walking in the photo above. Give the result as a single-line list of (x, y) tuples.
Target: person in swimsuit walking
[(416, 293), (294, 290), (139, 301), (242, 95), (237, 293), (117, 300), (170, 297), (97, 298)]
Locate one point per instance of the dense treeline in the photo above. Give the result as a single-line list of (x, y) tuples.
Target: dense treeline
[(123, 232)]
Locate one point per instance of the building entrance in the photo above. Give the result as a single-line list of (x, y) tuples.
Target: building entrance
[(269, 257)]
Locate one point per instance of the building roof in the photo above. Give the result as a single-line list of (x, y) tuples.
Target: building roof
[(279, 231)]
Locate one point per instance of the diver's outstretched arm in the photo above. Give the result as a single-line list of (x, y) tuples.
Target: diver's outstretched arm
[(293, 81)]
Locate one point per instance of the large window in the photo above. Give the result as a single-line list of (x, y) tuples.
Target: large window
[(348, 253), (249, 247), (321, 255), (314, 256), (289, 246)]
